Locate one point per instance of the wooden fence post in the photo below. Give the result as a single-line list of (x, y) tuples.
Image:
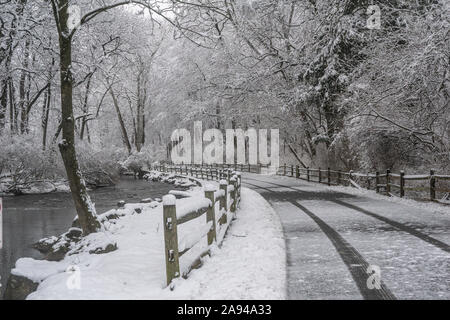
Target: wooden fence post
[(284, 170), (171, 238), (320, 175), (329, 176), (233, 194), (307, 174), (339, 177), (350, 177), (402, 184), (210, 216), (297, 171), (388, 184), (239, 185), (368, 181), (432, 185), (377, 182), (224, 200), (292, 170), (249, 167)]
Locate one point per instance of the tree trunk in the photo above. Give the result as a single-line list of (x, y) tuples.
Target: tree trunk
[(85, 108), (46, 106), (141, 101), (22, 89), (45, 114), (123, 129), (88, 133), (5, 91), (12, 107), (85, 209), (6, 53), (3, 103)]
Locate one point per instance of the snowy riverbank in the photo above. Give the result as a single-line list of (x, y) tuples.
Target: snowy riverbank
[(8, 188), (249, 265)]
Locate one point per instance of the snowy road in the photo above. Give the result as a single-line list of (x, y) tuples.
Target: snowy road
[(333, 237)]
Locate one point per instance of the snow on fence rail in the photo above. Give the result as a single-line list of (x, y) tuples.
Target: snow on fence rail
[(391, 183), (227, 197), (206, 171)]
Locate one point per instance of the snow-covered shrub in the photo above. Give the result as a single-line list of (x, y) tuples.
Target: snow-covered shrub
[(99, 167), (138, 161), (24, 161)]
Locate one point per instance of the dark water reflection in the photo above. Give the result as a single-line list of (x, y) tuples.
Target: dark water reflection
[(29, 218)]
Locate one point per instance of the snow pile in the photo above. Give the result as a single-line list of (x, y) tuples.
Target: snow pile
[(180, 193), (250, 264), (219, 193), (37, 270), (175, 179), (187, 205)]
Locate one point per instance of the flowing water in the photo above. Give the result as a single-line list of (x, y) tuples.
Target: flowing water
[(28, 218)]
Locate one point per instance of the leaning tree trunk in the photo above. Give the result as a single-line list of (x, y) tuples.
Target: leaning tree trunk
[(123, 129), (45, 114), (85, 210)]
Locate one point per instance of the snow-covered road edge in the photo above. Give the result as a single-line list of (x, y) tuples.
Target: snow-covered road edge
[(428, 206)]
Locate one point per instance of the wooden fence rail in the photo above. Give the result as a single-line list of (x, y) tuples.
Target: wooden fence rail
[(196, 170), (389, 183), (228, 196)]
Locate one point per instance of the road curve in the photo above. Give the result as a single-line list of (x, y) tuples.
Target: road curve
[(345, 246)]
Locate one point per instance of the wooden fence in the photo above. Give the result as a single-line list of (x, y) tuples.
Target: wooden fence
[(436, 186), (211, 169), (389, 183), (228, 198)]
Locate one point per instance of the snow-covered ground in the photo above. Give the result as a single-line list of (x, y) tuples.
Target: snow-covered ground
[(250, 264)]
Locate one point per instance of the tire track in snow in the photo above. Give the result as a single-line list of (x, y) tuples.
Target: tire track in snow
[(355, 262), (435, 242), (400, 226)]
